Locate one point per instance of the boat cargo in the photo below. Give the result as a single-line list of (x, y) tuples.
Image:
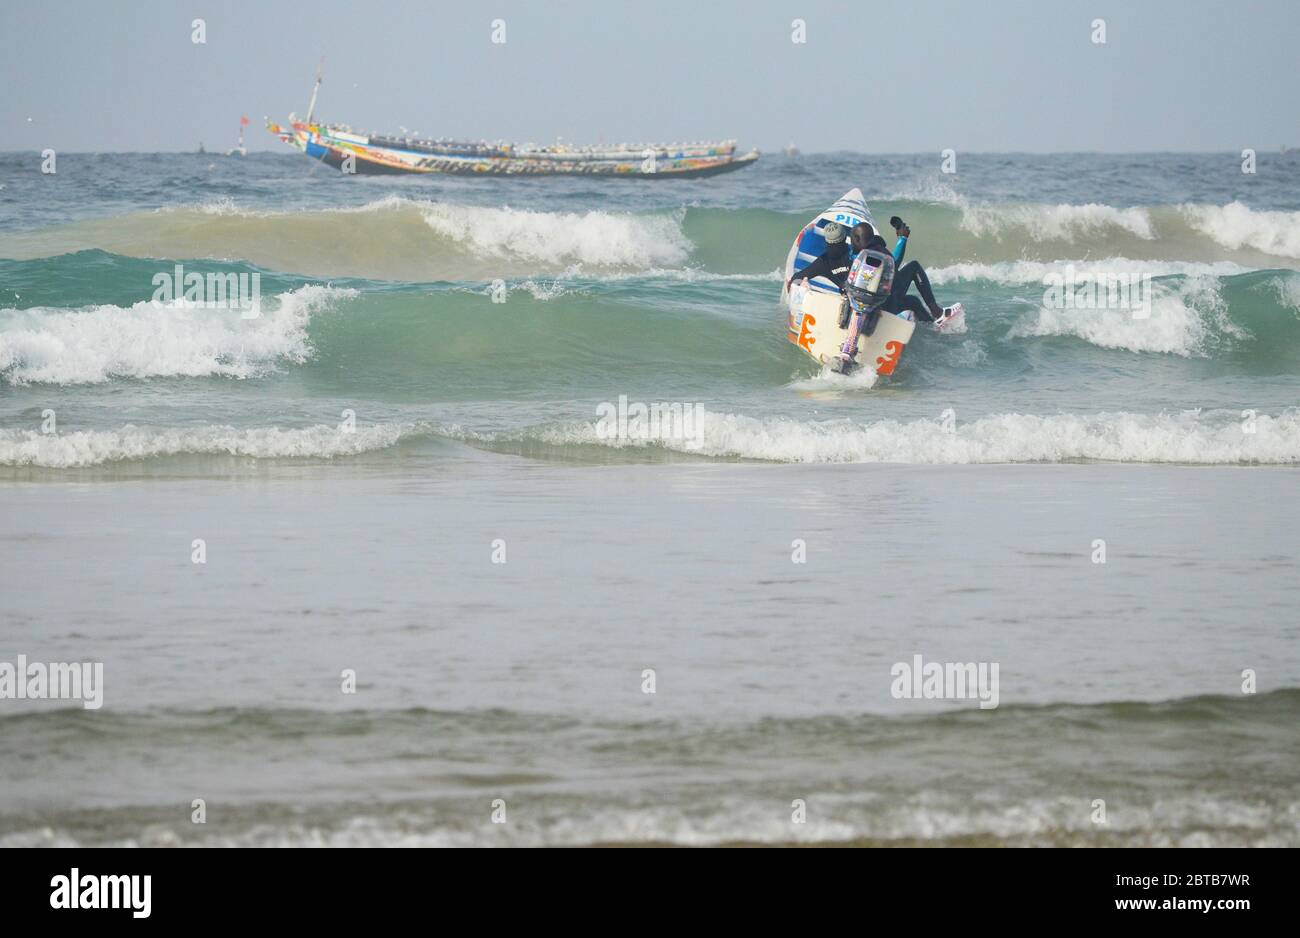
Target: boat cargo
[(340, 146)]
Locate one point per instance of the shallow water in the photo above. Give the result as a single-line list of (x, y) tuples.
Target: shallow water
[(523, 680)]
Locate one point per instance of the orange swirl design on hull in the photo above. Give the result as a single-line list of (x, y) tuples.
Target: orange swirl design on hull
[(886, 363)]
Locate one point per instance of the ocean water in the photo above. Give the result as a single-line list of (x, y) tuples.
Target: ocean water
[(357, 453)]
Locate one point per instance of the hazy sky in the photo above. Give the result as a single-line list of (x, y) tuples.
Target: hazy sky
[(874, 75)]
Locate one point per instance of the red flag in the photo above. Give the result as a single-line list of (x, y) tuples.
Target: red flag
[(243, 121)]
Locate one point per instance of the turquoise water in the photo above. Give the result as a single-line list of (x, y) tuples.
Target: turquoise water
[(376, 298)]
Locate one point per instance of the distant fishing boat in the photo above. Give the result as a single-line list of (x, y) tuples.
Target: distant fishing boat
[(343, 148), (239, 150)]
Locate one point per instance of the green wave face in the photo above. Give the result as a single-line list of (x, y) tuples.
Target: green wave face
[(508, 327), (575, 334)]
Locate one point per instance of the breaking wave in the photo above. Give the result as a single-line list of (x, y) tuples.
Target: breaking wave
[(555, 239), (394, 238), (148, 340), (1185, 319), (1236, 226), (1190, 438)]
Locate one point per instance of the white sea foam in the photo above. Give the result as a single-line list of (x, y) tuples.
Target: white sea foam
[(1288, 291), (95, 447), (924, 816), (224, 206), (1003, 438), (95, 344), (1237, 226), (826, 380), (543, 290), (596, 238)]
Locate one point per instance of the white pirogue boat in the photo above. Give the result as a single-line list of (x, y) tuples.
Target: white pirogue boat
[(344, 148)]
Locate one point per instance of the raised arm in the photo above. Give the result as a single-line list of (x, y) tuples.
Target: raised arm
[(902, 231)]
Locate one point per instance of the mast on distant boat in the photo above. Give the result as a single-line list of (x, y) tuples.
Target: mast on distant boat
[(311, 108)]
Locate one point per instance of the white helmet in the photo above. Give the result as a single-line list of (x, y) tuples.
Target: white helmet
[(833, 232)]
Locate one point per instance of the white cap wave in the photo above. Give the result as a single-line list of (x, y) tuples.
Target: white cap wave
[(594, 238), (1236, 226), (148, 340)]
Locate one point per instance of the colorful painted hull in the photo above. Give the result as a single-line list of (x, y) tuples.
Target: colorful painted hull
[(813, 325), (374, 155)]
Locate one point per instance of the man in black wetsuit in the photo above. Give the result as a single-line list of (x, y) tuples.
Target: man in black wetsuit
[(834, 262), (926, 308)]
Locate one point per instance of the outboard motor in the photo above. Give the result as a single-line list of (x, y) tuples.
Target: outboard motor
[(868, 286)]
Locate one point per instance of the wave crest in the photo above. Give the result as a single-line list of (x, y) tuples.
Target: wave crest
[(1182, 320), (595, 238), (147, 340), (95, 447), (1188, 438), (1235, 226)]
